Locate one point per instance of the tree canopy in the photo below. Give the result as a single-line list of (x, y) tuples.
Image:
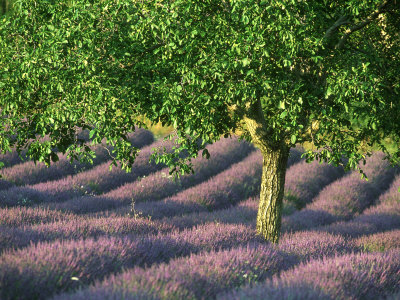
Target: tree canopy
[(280, 72)]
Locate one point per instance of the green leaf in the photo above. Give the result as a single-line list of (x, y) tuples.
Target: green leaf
[(245, 61), (92, 133), (293, 139), (249, 72), (283, 114)]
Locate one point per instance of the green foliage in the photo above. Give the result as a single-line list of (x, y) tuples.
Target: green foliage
[(314, 68)]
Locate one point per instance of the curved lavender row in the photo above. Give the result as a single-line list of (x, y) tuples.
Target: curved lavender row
[(96, 180), (360, 274), (392, 195), (200, 276), (4, 184), (344, 198), (159, 185), (31, 173), (304, 181), (309, 173), (25, 216), (308, 245), (239, 182), (384, 215), (12, 158), (78, 228), (382, 241), (244, 212), (22, 277), (112, 201), (223, 190), (353, 194)]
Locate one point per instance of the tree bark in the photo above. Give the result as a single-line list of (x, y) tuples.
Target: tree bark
[(272, 189), (275, 156)]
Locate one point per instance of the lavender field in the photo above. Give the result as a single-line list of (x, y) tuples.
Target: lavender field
[(71, 231)]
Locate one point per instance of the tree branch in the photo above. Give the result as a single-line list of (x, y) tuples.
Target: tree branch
[(341, 21), (368, 20)]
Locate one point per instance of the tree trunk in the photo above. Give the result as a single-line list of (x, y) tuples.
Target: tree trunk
[(275, 153), (272, 188)]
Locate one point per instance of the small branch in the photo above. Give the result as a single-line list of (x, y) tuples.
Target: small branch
[(361, 25), (341, 21)]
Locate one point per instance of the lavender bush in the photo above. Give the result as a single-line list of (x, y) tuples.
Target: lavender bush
[(352, 276), (384, 215), (20, 216), (79, 228), (243, 213), (12, 158), (304, 181), (200, 276), (208, 247), (94, 181), (4, 184), (237, 183), (382, 241), (344, 198), (91, 259), (31, 173), (315, 245), (351, 195), (160, 185)]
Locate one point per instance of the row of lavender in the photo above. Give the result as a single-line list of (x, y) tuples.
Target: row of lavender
[(204, 193), (215, 237), (214, 190), (198, 273), (29, 173), (305, 265)]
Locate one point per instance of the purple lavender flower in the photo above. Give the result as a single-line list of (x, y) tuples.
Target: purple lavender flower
[(382, 241), (344, 198), (31, 173), (4, 184), (87, 259), (12, 158), (160, 185), (94, 181), (20, 216), (304, 181), (200, 276), (392, 195), (314, 245), (243, 213), (351, 276), (78, 228), (239, 182), (381, 217)]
